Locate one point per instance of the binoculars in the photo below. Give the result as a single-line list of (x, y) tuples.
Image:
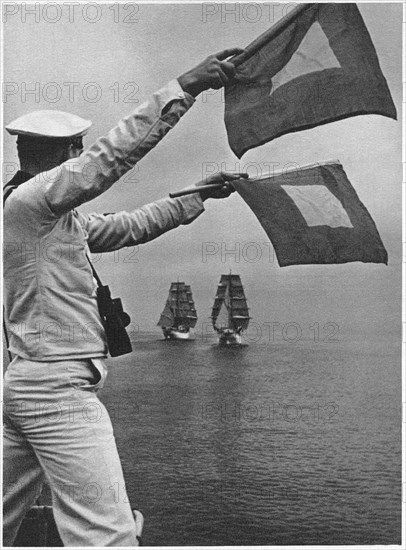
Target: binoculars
[(114, 320)]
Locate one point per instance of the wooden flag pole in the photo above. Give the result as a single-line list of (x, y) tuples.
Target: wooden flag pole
[(191, 190)]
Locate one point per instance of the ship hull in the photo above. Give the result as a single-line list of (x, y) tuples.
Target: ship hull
[(230, 311), (229, 338), (173, 334)]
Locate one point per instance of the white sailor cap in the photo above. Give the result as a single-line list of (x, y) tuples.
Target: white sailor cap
[(49, 124)]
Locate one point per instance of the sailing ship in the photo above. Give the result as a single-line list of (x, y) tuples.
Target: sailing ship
[(179, 314), (230, 311)]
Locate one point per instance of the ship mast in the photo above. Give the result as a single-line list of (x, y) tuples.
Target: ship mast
[(177, 302), (230, 311)]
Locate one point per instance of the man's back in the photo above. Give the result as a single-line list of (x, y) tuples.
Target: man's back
[(50, 294)]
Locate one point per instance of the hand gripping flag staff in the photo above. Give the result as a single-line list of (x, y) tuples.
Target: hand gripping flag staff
[(316, 65)]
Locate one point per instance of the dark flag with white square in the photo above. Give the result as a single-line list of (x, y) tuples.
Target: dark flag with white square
[(314, 216), (316, 65)]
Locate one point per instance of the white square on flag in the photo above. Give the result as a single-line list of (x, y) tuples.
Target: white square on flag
[(313, 54), (318, 205)]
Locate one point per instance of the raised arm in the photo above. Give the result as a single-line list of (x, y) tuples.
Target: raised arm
[(81, 179)]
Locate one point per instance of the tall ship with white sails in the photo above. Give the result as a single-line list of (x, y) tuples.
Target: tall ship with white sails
[(179, 314), (230, 311)]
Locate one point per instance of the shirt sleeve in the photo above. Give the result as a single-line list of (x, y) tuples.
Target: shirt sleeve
[(81, 179), (108, 232)]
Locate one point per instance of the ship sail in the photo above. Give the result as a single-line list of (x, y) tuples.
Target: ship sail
[(179, 308), (167, 317), (223, 318), (230, 308), (191, 314)]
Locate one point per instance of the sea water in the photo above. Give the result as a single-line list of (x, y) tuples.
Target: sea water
[(276, 442)]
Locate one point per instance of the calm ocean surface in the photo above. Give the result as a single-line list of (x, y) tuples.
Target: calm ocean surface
[(273, 443)]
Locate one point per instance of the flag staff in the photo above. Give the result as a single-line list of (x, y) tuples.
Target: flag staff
[(191, 190), (227, 179)]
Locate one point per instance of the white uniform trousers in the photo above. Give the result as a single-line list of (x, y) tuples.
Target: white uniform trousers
[(56, 428)]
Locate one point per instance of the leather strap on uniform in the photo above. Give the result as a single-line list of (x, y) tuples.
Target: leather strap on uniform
[(6, 338), (99, 283)]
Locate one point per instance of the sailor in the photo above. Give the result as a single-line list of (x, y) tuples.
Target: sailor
[(55, 427)]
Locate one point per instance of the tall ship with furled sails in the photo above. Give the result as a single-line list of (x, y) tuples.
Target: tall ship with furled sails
[(179, 314), (230, 311)]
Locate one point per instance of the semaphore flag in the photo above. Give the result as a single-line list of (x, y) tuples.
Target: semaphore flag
[(314, 216), (318, 64)]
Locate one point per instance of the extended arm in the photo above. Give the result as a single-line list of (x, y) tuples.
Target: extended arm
[(108, 232)]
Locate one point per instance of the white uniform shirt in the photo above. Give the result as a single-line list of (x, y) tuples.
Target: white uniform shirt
[(50, 293)]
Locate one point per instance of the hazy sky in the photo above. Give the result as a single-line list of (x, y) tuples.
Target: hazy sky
[(93, 63)]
